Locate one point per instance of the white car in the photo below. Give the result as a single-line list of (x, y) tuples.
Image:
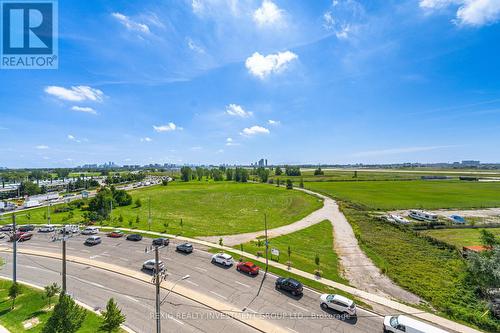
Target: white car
[(150, 265), (70, 228), (2, 235), (405, 324), (90, 231), (222, 259), (93, 240), (338, 303), (47, 228)]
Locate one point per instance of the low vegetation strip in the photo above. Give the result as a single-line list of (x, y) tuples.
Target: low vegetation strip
[(196, 209), (305, 246), (32, 311), (435, 273), (460, 237), (391, 195)]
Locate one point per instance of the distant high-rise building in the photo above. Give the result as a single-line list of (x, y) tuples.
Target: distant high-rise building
[(266, 162), (471, 163), (261, 162)]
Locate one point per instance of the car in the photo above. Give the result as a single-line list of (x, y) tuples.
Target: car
[(150, 265), (184, 247), (248, 267), (90, 231), (26, 228), (70, 229), (338, 303), (7, 227), (134, 237), (161, 241), (2, 235), (47, 228), (116, 234), (93, 240), (222, 259), (290, 285), (402, 324), (21, 236)]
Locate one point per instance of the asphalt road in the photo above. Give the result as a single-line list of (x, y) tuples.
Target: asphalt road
[(94, 287)]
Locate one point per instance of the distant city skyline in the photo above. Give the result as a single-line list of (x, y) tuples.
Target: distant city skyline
[(303, 82)]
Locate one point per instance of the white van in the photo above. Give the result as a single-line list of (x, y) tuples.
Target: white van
[(404, 324), (90, 231)]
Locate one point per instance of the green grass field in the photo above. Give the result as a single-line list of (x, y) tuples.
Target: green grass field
[(460, 237), (438, 275), (304, 245), (31, 303), (206, 208), (389, 195)]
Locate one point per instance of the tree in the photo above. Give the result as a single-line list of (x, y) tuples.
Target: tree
[(138, 203), (278, 171), (241, 175), (278, 182), (62, 173), (122, 198), (67, 316), (301, 184), (14, 291), (229, 174), (488, 238), (199, 173), (102, 202), (263, 174), (483, 267), (29, 188), (50, 291), (221, 241), (112, 317), (292, 170), (289, 184), (186, 173), (319, 172), (164, 182)]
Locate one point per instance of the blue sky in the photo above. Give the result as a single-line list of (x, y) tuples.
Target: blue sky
[(226, 81)]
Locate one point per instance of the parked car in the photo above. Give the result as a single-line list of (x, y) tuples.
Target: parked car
[(93, 240), (21, 236), (338, 303), (290, 285), (2, 235), (222, 259), (248, 267), (7, 227), (26, 228), (90, 231), (161, 241), (184, 247), (405, 324), (150, 265), (116, 234), (47, 228), (134, 237), (70, 229)]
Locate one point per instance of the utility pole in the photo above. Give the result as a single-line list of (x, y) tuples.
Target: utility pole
[(64, 261), (157, 282), (149, 217), (48, 213), (14, 249), (267, 241)]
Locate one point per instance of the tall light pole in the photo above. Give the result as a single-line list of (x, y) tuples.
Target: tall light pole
[(14, 249), (267, 241), (149, 216), (185, 277), (157, 279)]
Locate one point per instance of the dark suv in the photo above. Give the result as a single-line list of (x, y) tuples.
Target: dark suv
[(184, 247), (26, 228), (134, 237), (161, 241), (290, 285)]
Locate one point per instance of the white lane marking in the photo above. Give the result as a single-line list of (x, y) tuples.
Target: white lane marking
[(292, 330), (124, 259), (33, 267), (299, 307), (191, 282), (251, 310), (131, 298), (105, 254), (90, 282), (242, 284), (93, 257), (177, 321), (201, 269), (85, 251), (213, 292)]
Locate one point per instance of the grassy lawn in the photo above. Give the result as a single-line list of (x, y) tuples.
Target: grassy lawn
[(304, 245), (29, 304), (436, 274), (460, 237), (206, 208), (388, 195)]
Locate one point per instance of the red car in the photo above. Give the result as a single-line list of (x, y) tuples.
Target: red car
[(21, 236), (116, 234), (248, 267)]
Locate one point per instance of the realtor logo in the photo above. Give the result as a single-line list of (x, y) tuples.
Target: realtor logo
[(28, 34)]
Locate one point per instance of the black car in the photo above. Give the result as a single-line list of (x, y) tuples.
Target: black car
[(184, 247), (161, 241), (7, 227), (288, 284), (134, 237), (26, 228)]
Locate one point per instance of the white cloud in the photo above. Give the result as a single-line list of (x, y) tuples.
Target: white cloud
[(76, 93), (344, 17), (237, 110), (146, 139), (470, 12), (230, 142), (404, 150), (170, 127), (130, 24), (273, 122), (71, 137), (194, 46), (42, 147), (85, 109), (254, 130), (261, 66), (268, 14)]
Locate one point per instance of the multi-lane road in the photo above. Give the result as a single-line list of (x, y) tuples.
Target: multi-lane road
[(95, 286)]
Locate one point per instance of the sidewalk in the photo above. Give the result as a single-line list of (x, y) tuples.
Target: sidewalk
[(3, 329)]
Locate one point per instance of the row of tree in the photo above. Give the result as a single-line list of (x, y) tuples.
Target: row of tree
[(100, 206)]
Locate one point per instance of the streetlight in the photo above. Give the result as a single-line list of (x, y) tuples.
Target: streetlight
[(185, 277)]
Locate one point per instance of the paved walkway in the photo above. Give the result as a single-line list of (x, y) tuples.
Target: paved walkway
[(3, 329), (324, 213)]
